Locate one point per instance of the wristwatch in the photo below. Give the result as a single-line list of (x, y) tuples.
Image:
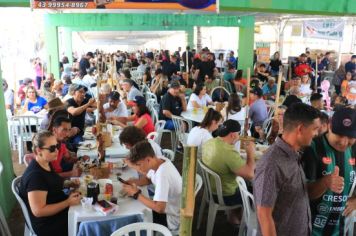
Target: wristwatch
[(135, 196)]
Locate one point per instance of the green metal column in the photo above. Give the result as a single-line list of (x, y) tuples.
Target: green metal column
[(245, 51), (190, 37), (67, 44), (51, 39), (7, 199)]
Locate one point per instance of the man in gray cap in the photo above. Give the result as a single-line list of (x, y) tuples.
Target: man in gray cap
[(329, 166)]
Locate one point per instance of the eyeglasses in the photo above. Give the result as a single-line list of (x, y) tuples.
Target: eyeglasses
[(31, 92), (52, 148)]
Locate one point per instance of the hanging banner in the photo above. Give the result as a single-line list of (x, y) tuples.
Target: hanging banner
[(333, 30), (201, 5), (263, 52)]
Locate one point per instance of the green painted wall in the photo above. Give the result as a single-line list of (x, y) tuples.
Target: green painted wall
[(7, 199), (245, 49), (321, 7)]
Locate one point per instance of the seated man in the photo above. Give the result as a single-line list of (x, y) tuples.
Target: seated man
[(164, 176), (210, 83), (270, 89), (262, 73), (220, 155), (63, 165), (78, 106), (115, 108), (131, 91), (173, 103), (316, 101), (257, 113)]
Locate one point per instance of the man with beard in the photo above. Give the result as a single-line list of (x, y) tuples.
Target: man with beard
[(115, 108), (279, 189), (329, 166)]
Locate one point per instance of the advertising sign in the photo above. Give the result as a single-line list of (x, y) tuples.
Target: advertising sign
[(202, 5), (333, 30), (263, 52)]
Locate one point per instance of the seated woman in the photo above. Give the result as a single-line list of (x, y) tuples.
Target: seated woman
[(234, 109), (33, 101), (199, 98), (42, 189), (141, 117), (200, 134)]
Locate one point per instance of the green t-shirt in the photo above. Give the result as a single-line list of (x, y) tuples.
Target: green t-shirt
[(223, 159), (228, 76)]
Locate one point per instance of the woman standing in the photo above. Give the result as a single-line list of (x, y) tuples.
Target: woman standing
[(42, 189), (275, 64), (141, 117), (39, 69), (220, 63), (33, 101)]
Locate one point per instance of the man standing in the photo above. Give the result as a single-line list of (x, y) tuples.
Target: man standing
[(187, 58), (257, 112), (329, 166), (351, 65), (84, 64), (280, 189)]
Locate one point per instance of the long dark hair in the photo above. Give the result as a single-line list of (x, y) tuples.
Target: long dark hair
[(199, 88), (142, 109), (234, 104), (209, 117), (148, 74)]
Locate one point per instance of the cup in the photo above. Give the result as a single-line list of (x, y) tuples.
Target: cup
[(87, 203), (93, 191)]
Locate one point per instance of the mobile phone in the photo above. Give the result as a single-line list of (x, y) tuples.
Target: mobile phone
[(104, 204), (122, 181)]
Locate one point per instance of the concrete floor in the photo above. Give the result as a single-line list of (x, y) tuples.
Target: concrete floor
[(221, 227)]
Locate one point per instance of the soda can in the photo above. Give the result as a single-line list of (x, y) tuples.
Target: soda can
[(108, 189)]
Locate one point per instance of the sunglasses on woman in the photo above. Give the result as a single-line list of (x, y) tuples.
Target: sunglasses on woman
[(52, 148)]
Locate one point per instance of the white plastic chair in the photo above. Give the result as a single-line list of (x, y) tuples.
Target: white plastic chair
[(159, 127), (15, 186), (182, 128), (168, 154), (136, 228), (25, 132), (153, 136), (248, 225), (208, 177), (28, 158), (198, 184), (150, 95), (267, 126), (4, 228)]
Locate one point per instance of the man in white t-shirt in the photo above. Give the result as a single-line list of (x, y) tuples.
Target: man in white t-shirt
[(115, 108), (164, 176)]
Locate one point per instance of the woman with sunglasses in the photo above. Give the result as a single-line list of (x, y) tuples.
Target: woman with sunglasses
[(42, 189), (33, 101)]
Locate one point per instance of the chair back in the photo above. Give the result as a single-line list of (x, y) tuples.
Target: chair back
[(247, 199), (159, 127), (209, 178), (150, 95), (136, 228), (26, 122), (267, 126), (168, 154), (153, 113), (198, 184), (15, 187), (153, 136), (4, 228), (150, 102), (28, 158), (181, 126)]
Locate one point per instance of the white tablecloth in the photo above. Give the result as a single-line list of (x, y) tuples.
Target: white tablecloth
[(196, 116), (127, 207)]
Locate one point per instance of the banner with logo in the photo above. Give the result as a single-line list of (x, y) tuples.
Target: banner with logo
[(263, 52), (202, 5), (333, 30)]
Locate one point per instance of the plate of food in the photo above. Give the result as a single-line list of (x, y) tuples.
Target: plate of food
[(87, 145), (88, 136), (120, 163)]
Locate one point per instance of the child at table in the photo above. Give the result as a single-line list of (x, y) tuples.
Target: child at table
[(167, 181)]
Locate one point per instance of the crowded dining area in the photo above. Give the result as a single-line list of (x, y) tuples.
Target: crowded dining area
[(183, 138)]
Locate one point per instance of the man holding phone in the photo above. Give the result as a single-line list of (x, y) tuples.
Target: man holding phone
[(164, 176)]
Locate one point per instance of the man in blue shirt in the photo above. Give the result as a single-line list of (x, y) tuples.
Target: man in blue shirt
[(257, 112), (351, 65), (270, 89)]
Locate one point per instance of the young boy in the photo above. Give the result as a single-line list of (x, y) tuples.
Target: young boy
[(164, 176)]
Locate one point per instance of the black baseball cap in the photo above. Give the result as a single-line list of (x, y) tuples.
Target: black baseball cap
[(139, 100), (343, 122), (175, 84), (257, 91), (229, 126), (79, 87)]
